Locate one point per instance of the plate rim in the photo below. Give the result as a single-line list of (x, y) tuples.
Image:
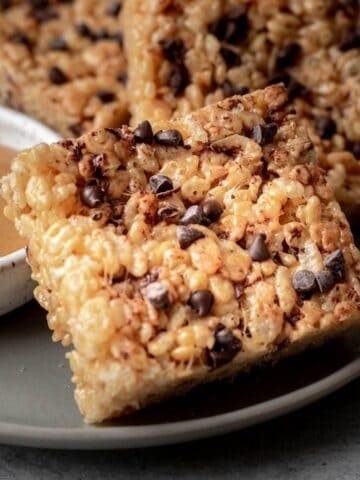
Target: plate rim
[(91, 437)]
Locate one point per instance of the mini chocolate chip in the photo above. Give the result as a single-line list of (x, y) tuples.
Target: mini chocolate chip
[(231, 58), (178, 78), (5, 4), (19, 37), (97, 216), (58, 44), (105, 96), (263, 134), (168, 213), (354, 147), (325, 127), (158, 295), (44, 15), (296, 89), (288, 55), (83, 30), (160, 184), (173, 49), (336, 263), (187, 235), (77, 129), (113, 9), (225, 348), (92, 196), (304, 281), (325, 280), (57, 76), (143, 133), (212, 210), (233, 27), (350, 40), (282, 77), (101, 34), (258, 250), (241, 90), (194, 215), (122, 78), (229, 89), (117, 37), (201, 301), (170, 138)]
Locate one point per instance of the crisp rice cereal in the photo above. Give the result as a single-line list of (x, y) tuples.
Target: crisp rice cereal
[(63, 63), (184, 54), (169, 264)]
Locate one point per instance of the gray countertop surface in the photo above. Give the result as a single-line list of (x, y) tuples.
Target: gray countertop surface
[(319, 442)]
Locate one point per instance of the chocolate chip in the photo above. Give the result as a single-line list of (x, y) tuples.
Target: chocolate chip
[(263, 134), (169, 213), (143, 133), (240, 90), (304, 281), (57, 76), (160, 184), (188, 235), (5, 4), (117, 37), (354, 147), (233, 27), (58, 44), (113, 9), (170, 138), (83, 30), (258, 250), (44, 14), (194, 215), (122, 78), (97, 216), (350, 40), (19, 37), (77, 129), (294, 88), (105, 96), (212, 210), (225, 348), (92, 196), (335, 262), (288, 55), (201, 301), (158, 295), (229, 89), (325, 127), (231, 58), (173, 49), (325, 280), (101, 34), (178, 78)]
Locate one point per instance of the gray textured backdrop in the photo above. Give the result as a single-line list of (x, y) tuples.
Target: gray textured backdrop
[(320, 442)]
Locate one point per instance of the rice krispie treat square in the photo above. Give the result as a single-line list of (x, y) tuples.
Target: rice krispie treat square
[(63, 63), (184, 54), (184, 251)]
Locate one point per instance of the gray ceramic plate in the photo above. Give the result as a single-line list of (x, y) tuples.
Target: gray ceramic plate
[(37, 407)]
